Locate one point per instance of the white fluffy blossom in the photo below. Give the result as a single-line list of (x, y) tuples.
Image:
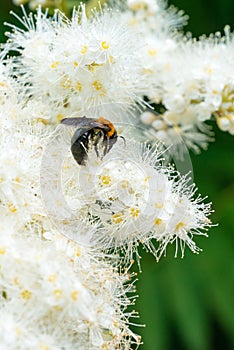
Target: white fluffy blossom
[(186, 81), (77, 65), (65, 227), (193, 83), (55, 294), (178, 132)]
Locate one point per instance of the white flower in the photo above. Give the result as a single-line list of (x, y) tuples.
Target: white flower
[(8, 87), (78, 64), (51, 296), (192, 82), (150, 6), (225, 113), (178, 132), (152, 15), (63, 225), (22, 148)]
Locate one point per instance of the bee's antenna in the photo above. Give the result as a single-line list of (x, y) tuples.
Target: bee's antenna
[(123, 140)]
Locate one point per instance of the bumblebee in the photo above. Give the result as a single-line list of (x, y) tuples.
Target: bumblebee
[(98, 134)]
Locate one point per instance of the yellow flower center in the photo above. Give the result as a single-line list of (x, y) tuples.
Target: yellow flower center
[(78, 86), (105, 45), (16, 280), (74, 295), (26, 294), (134, 212), (54, 64), (152, 52), (66, 83), (117, 218), (52, 278), (124, 183), (12, 208), (105, 179), (84, 50), (209, 70), (97, 85), (158, 205), (2, 251), (59, 117), (78, 252), (157, 221), (43, 346), (58, 293), (179, 226)]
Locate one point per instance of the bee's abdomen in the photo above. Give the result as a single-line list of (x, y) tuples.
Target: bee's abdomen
[(79, 149)]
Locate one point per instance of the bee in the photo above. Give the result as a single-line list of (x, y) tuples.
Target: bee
[(98, 134)]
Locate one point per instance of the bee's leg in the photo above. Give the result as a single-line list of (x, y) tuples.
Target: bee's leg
[(105, 145), (98, 141)]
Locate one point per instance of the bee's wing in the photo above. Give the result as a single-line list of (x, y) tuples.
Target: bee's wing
[(84, 123)]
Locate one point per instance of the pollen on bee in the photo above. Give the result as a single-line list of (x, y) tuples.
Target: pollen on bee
[(105, 45), (134, 212)]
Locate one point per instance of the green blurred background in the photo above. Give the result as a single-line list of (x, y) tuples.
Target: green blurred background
[(188, 304)]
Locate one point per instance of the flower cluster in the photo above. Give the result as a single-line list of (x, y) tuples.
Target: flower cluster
[(188, 81), (47, 283), (145, 54), (63, 278), (134, 199), (54, 296), (76, 65)]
